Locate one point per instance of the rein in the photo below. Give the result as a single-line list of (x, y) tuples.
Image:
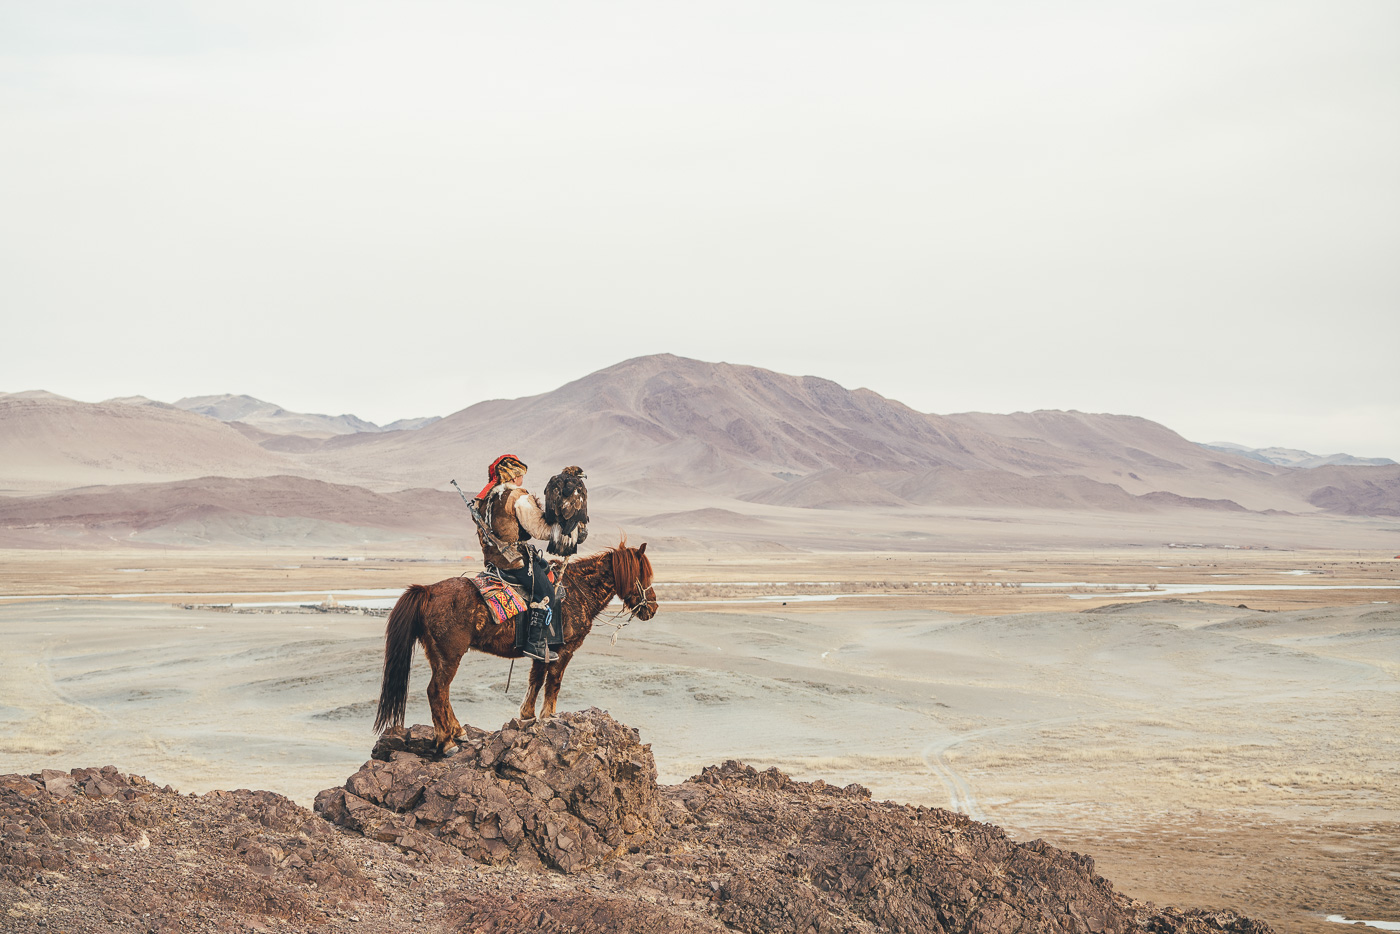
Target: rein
[(630, 611), (561, 591)]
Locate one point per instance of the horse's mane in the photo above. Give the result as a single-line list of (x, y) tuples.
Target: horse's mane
[(631, 570)]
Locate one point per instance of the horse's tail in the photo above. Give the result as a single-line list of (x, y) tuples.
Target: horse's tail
[(400, 636)]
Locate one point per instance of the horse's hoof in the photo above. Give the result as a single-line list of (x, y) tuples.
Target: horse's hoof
[(450, 749)]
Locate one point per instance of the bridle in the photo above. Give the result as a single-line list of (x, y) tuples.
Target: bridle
[(643, 596)]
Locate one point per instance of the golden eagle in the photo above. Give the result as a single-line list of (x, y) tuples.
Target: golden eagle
[(566, 511)]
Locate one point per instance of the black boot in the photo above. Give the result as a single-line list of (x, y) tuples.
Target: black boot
[(536, 639), (556, 630)]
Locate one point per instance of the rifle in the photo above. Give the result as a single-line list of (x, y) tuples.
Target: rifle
[(503, 547)]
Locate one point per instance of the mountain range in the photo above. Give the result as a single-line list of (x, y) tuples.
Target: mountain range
[(276, 420), (1292, 457), (268, 418), (660, 436)]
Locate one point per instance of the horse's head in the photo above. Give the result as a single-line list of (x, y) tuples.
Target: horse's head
[(632, 576)]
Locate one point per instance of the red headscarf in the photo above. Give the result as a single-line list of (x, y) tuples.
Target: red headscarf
[(494, 472)]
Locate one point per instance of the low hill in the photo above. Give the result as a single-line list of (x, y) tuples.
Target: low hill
[(223, 510), (54, 443), (997, 488), (1348, 491), (1137, 454)]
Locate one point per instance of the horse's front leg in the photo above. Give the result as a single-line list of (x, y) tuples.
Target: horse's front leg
[(553, 678), (527, 707)]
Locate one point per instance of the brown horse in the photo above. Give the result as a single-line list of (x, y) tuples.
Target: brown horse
[(450, 617)]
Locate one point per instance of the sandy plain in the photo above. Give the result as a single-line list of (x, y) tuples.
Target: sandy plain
[(1202, 751)]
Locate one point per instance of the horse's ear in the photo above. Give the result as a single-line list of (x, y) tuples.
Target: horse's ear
[(642, 550)]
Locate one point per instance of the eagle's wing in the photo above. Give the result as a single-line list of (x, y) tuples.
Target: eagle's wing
[(566, 512), (553, 494)]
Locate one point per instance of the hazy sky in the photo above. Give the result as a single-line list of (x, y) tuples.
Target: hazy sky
[(1186, 211)]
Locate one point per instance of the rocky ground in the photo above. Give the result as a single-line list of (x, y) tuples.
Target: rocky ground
[(554, 826)]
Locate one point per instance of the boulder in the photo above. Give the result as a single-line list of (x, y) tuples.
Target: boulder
[(568, 793)]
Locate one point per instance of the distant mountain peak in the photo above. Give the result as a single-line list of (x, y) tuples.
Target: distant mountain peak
[(274, 419), (137, 400), (35, 395), (1293, 457)]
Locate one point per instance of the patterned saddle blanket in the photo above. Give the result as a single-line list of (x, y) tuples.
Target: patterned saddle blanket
[(503, 601)]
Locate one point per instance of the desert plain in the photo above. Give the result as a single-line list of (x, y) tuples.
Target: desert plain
[(1214, 726)]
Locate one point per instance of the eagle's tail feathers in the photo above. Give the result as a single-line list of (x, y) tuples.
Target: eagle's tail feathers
[(561, 542)]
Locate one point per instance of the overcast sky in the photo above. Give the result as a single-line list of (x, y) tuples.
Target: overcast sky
[(1185, 211)]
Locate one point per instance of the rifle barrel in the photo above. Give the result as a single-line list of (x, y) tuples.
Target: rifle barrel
[(459, 492)]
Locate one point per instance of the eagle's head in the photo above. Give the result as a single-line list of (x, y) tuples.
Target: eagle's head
[(574, 472)]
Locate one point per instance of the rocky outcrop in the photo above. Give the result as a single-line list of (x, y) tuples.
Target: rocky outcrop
[(93, 848), (569, 794), (553, 826), (793, 856), (755, 851)]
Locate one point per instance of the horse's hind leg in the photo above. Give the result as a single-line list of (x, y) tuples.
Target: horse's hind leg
[(527, 707), (446, 729)]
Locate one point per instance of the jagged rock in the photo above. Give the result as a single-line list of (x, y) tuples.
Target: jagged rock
[(787, 856), (415, 739), (102, 848), (568, 793)]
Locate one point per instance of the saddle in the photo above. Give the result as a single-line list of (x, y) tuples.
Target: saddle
[(503, 600)]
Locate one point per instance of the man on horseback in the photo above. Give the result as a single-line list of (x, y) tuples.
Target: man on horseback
[(507, 518)]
